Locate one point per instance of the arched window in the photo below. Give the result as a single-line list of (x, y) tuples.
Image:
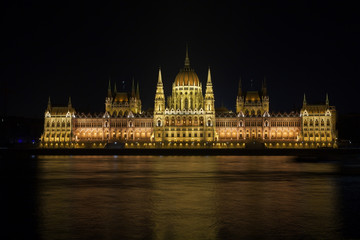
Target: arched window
[(47, 124), (305, 123), (186, 103), (209, 123), (158, 123), (322, 122), (201, 121), (252, 112), (241, 123), (316, 123), (166, 121), (328, 122), (258, 112), (311, 123)]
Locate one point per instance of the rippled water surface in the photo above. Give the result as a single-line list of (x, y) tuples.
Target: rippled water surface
[(158, 197)]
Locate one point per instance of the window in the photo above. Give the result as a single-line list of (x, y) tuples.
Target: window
[(195, 135), (201, 135), (209, 135), (172, 135), (183, 134), (189, 134), (178, 135), (166, 135)]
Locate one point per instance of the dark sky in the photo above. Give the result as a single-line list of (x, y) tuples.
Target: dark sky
[(71, 49)]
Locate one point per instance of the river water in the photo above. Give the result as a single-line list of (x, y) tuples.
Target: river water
[(173, 197)]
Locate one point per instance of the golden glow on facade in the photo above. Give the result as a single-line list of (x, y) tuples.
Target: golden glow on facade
[(188, 119)]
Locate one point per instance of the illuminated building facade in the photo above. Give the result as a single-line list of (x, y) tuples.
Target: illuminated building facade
[(188, 118)]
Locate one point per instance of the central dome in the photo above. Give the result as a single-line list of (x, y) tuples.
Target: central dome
[(187, 77)]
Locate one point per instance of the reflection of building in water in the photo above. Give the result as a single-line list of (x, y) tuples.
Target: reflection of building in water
[(188, 118), (95, 199), (271, 197), (183, 198)]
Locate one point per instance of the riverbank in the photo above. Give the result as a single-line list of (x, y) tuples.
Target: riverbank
[(323, 153)]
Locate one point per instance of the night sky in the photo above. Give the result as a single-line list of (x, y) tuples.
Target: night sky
[(72, 49)]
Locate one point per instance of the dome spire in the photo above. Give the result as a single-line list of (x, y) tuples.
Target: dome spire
[(187, 60)]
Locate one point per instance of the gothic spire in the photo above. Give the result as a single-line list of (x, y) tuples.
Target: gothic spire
[(240, 88), (115, 90), (264, 88), (109, 88), (327, 100), (49, 104), (209, 89), (133, 88), (69, 103), (159, 88), (304, 101), (159, 77), (137, 91), (187, 60)]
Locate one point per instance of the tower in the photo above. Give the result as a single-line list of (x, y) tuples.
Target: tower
[(209, 103), (159, 108), (239, 99)]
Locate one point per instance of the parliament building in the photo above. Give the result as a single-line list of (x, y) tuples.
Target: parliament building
[(188, 119)]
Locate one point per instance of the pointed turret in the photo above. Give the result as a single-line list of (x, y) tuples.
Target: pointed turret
[(187, 60), (240, 88), (159, 96), (109, 89), (209, 89), (327, 100), (160, 87), (69, 103), (137, 91), (304, 101), (49, 105), (133, 88), (264, 88), (209, 94)]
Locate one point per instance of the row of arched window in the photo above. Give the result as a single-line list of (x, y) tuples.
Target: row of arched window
[(58, 124), (311, 123)]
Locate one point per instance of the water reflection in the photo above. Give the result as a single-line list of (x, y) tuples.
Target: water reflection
[(214, 197)]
